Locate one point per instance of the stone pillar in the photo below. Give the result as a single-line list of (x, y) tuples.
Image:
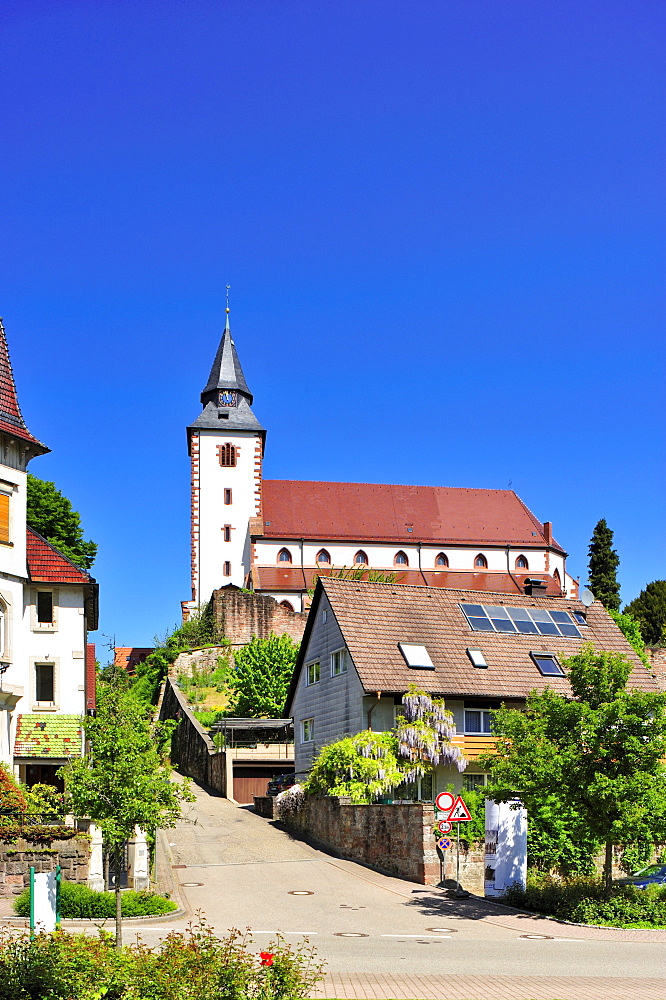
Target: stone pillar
[(139, 860), (229, 775), (96, 867)]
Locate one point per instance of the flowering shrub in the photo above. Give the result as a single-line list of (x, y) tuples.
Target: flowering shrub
[(289, 802), (194, 965), (424, 734), (12, 798)]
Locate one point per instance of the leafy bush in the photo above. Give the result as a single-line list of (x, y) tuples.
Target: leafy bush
[(195, 964), (46, 801), (582, 901), (208, 717), (36, 833), (12, 798), (78, 901)]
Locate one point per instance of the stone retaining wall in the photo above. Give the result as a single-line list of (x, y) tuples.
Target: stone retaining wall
[(16, 859), (396, 839), (192, 749)]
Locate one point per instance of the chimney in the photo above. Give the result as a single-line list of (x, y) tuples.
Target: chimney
[(548, 532), (535, 588)]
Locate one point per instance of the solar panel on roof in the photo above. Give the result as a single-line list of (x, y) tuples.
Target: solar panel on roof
[(525, 621)]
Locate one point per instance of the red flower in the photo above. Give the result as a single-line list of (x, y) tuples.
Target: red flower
[(266, 957)]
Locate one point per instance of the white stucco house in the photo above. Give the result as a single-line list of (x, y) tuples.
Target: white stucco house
[(47, 607)]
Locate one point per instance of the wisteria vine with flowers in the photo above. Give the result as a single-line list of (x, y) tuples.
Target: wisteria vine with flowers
[(424, 733), (369, 764)]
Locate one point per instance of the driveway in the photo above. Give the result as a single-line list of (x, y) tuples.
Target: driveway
[(240, 870)]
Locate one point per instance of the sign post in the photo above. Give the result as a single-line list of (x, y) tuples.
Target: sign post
[(455, 811)]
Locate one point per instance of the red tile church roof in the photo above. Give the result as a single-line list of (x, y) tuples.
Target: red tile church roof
[(382, 512), (47, 565), (285, 579)]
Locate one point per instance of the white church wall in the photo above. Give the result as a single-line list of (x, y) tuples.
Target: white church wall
[(214, 513)]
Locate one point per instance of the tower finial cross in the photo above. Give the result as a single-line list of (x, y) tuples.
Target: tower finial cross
[(227, 308)]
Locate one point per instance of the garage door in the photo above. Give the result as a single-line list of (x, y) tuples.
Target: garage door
[(252, 781)]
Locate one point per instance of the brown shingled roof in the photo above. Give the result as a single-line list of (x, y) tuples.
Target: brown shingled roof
[(375, 617), (47, 565), (382, 512)]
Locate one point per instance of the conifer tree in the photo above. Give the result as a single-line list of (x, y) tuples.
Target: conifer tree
[(603, 566)]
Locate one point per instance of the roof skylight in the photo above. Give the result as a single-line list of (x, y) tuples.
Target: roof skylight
[(416, 656), (526, 621), (477, 658), (548, 664)]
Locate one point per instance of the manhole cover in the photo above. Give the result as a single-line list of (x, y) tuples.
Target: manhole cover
[(536, 937), (350, 934), (442, 930), (190, 884), (300, 892)]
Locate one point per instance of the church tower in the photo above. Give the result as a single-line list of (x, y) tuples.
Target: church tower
[(226, 445)]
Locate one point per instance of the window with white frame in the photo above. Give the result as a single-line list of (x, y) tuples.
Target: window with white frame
[(338, 662), (473, 781), (312, 673), (477, 720), (307, 730)]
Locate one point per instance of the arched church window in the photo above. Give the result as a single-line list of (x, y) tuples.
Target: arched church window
[(226, 453), (286, 604), (481, 562), (522, 563), (441, 560), (400, 559), (227, 569), (323, 557), (284, 555), (360, 559)]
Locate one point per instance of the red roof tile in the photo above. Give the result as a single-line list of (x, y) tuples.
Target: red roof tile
[(47, 565), (11, 419), (283, 578), (381, 512)]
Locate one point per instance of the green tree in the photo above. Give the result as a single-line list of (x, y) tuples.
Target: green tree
[(596, 759), (603, 566), (262, 674), (649, 609), (124, 780), (52, 515), (631, 630)]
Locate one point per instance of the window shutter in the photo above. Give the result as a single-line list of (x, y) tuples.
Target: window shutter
[(4, 517)]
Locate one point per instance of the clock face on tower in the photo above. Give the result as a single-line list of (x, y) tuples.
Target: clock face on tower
[(227, 398)]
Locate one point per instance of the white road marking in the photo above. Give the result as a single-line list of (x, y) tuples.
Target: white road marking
[(438, 937), (284, 932)]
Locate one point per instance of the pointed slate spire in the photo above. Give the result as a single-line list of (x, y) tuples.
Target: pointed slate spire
[(11, 418), (226, 372), (226, 395)]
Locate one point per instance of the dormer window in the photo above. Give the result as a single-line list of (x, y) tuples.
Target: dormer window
[(323, 558), (481, 562), (284, 556), (522, 563), (360, 559), (400, 559), (441, 560)]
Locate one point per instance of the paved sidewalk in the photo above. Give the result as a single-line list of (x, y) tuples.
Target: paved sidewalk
[(348, 986)]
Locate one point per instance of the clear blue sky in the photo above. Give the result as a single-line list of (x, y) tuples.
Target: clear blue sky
[(443, 224)]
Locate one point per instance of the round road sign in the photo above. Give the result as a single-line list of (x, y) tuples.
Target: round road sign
[(444, 801), (444, 842), (443, 826)]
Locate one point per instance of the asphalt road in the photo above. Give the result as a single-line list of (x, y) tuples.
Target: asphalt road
[(242, 871)]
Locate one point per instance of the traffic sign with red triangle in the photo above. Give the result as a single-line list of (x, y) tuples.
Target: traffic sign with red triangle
[(459, 812)]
